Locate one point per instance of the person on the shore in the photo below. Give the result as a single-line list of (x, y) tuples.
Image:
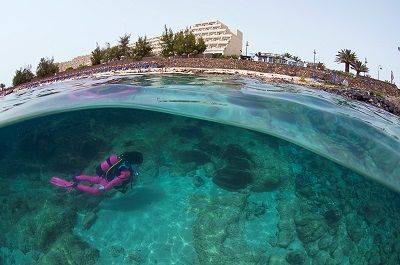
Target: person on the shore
[(114, 172)]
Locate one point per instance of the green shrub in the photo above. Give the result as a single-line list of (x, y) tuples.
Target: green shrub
[(23, 75), (46, 67)]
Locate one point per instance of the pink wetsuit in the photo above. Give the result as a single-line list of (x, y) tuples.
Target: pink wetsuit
[(103, 184)]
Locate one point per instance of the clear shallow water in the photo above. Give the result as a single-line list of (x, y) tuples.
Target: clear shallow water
[(209, 193), (353, 134)]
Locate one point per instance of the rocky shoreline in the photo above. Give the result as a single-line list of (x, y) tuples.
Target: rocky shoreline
[(374, 92)]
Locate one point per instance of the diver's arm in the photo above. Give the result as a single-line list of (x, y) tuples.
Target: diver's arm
[(123, 176)]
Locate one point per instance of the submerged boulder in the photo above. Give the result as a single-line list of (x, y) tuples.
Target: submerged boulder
[(277, 260), (356, 227), (198, 181), (296, 257), (332, 215), (234, 154), (218, 228), (237, 173), (70, 249), (310, 227), (194, 156), (374, 212), (188, 132), (50, 223), (267, 182), (89, 219), (232, 179)]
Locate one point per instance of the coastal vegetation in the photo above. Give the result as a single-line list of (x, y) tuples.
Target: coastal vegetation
[(123, 50), (2, 86), (141, 48), (97, 55), (359, 67), (293, 57), (181, 43), (22, 75), (346, 56), (46, 67)]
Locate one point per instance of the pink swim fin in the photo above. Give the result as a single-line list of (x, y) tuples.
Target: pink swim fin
[(61, 182)]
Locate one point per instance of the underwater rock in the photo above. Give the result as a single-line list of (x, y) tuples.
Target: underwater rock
[(217, 230), (237, 173), (181, 169), (17, 207), (255, 209), (209, 148), (235, 154), (325, 242), (232, 179), (198, 181), (195, 156), (310, 227), (374, 258), (116, 251), (89, 219), (312, 248), (271, 171), (50, 222), (355, 227), (296, 257), (189, 132), (374, 212), (286, 228), (320, 258), (135, 258), (266, 182), (285, 234), (62, 147), (209, 170), (332, 216), (70, 249), (277, 260), (304, 186)]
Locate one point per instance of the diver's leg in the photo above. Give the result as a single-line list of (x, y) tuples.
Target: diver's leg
[(88, 189), (92, 179)]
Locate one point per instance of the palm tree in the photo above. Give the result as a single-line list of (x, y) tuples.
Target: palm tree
[(287, 55), (295, 58), (360, 67), (347, 57)]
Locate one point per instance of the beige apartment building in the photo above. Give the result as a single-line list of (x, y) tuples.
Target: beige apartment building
[(218, 37), (155, 44)]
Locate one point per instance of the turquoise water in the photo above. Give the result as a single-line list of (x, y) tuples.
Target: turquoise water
[(235, 172)]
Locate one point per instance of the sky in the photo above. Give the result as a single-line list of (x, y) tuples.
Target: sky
[(65, 29)]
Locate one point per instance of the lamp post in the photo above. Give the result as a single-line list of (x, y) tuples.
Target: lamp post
[(379, 68), (315, 66), (314, 56)]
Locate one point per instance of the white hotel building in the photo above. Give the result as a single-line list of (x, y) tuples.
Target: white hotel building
[(218, 37)]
